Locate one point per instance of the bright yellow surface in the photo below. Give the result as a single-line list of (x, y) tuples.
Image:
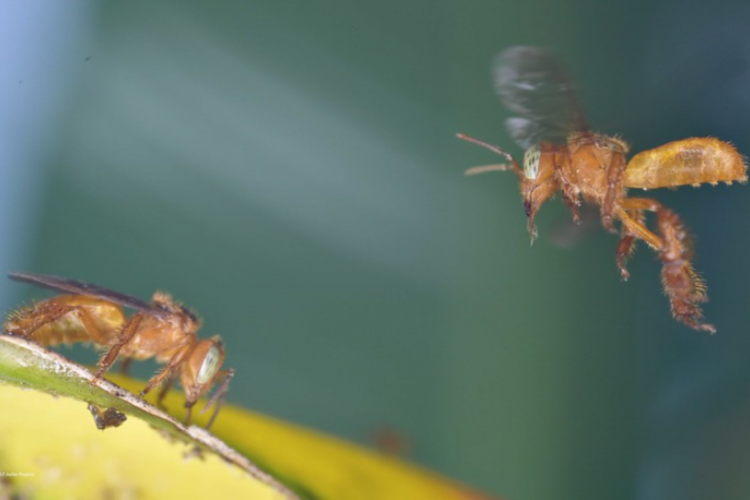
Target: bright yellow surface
[(327, 467), (50, 448)]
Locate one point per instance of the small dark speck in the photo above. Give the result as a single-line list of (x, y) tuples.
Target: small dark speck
[(88, 59), (19, 81)]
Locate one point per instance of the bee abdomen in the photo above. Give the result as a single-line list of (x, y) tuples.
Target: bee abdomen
[(689, 161)]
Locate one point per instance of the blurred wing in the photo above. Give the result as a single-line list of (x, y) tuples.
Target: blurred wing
[(532, 84), (565, 233), (78, 287)]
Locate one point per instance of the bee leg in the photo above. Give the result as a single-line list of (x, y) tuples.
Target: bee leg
[(534, 195), (530, 208), (163, 392), (615, 190), (166, 372), (44, 314), (570, 195), (125, 366), (684, 287), (572, 202), (218, 398), (625, 249), (125, 336), (626, 246), (188, 412), (24, 322), (635, 226)]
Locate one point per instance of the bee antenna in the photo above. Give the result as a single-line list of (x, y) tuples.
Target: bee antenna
[(218, 398), (494, 149)]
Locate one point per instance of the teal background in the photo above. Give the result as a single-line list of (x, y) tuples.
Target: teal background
[(290, 171)]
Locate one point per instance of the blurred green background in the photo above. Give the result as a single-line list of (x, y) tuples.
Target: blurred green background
[(289, 170)]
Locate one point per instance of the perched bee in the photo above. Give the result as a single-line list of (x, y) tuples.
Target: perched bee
[(105, 418), (162, 329), (562, 154)]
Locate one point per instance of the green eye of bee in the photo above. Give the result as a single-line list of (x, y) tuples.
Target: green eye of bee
[(531, 161), (209, 367)]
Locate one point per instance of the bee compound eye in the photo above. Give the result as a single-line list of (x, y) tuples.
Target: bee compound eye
[(210, 366), (531, 161)]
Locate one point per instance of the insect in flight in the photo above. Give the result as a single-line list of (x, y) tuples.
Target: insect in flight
[(163, 329), (562, 154)]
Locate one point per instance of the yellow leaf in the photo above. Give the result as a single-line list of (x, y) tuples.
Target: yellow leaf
[(50, 447)]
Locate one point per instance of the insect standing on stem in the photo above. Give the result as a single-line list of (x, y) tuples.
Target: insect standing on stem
[(106, 417), (162, 329), (562, 154)]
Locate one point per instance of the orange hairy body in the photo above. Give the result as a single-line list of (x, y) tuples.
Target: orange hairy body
[(690, 161), (561, 154), (162, 329)]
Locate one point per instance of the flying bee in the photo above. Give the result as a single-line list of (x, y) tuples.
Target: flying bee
[(562, 154), (162, 329)]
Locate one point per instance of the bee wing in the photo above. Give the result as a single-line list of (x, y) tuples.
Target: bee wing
[(533, 85), (565, 233), (78, 287), (527, 133)]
